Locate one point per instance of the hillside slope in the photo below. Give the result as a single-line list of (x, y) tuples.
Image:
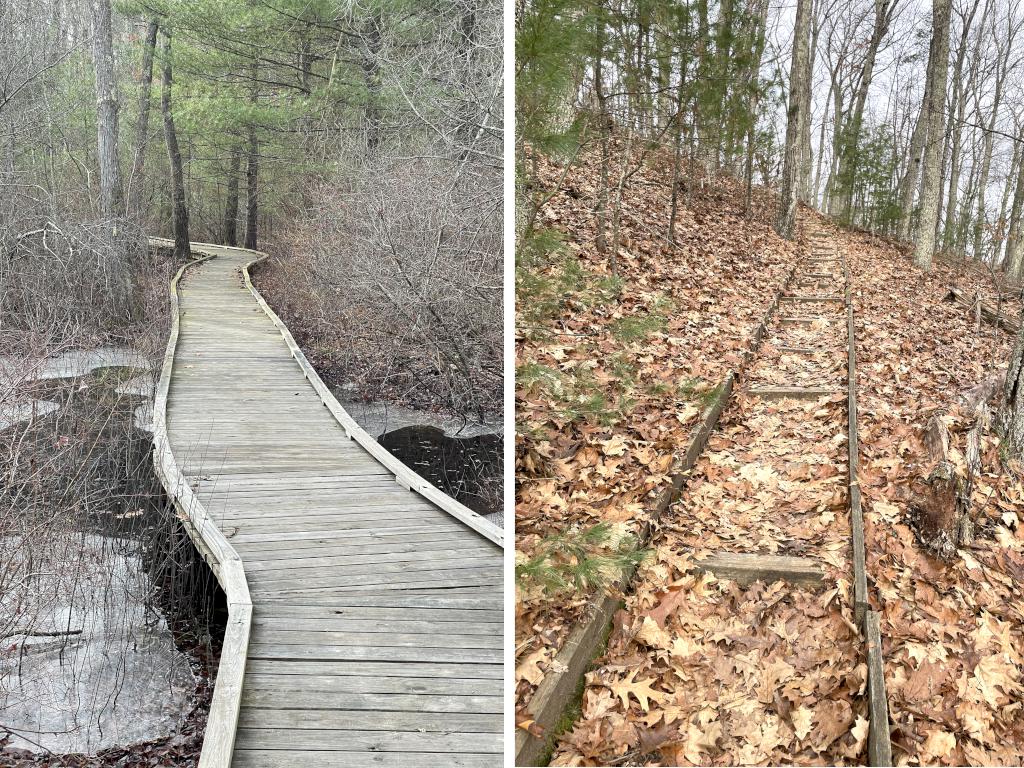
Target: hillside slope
[(952, 631)]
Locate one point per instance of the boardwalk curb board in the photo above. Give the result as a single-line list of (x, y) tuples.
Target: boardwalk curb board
[(222, 720), (559, 689)]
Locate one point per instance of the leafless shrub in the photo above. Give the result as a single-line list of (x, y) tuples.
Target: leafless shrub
[(408, 265)]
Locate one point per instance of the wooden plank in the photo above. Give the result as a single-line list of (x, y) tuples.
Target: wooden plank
[(367, 684), (860, 581), (558, 689), (824, 299), (745, 568), (344, 718), (374, 741), (377, 703), (413, 554), (879, 744), (263, 635), (433, 580), (795, 393), (802, 350), (378, 668), (273, 758), (379, 572), (798, 320)]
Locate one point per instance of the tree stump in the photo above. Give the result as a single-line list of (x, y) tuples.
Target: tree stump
[(941, 504)]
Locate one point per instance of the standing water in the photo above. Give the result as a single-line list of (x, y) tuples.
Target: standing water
[(90, 559)]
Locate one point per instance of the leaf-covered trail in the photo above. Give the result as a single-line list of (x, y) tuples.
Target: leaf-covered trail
[(702, 670), (953, 631), (612, 372)]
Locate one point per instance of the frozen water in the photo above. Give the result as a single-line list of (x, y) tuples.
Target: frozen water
[(15, 413), (73, 363), (380, 417), (117, 678)]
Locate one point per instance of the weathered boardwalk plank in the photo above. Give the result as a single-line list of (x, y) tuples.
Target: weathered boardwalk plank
[(376, 623)]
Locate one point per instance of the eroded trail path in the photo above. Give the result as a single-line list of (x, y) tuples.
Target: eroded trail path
[(739, 643)]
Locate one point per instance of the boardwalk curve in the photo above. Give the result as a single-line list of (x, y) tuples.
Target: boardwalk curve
[(365, 605)]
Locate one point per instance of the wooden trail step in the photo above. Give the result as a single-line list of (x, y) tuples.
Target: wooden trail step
[(812, 297), (808, 319), (747, 568), (802, 350), (795, 393)]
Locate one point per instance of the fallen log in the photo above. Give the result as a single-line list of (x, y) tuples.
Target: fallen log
[(985, 311)]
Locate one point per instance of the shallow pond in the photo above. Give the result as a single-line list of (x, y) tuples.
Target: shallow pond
[(462, 458), (88, 662)]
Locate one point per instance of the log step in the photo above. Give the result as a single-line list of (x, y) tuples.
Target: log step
[(748, 568), (840, 299), (801, 350), (803, 318), (796, 393)]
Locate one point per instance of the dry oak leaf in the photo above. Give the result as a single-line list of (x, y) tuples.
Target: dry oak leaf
[(938, 744), (860, 738), (995, 671), (616, 446), (701, 739), (833, 719), (529, 668), (802, 719), (640, 689)]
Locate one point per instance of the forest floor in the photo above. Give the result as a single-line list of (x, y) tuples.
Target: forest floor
[(700, 670)]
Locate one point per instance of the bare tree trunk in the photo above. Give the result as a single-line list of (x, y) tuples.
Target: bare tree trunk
[(931, 176), (111, 190), (1003, 222), (806, 152), (230, 232), (818, 195), (908, 184), (757, 52), (182, 248), (678, 155), (960, 104), (850, 140), (252, 171), (986, 167), (136, 182), (370, 65), (785, 225), (604, 127), (1012, 412), (1014, 259)]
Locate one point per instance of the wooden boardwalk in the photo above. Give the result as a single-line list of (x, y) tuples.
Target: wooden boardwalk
[(376, 630)]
